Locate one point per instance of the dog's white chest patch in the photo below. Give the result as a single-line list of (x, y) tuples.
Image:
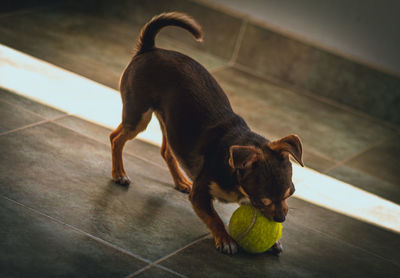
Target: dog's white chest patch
[(233, 196)]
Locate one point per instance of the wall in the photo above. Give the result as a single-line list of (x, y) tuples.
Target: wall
[(368, 30)]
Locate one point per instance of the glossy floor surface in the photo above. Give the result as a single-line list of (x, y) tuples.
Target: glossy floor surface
[(62, 216)]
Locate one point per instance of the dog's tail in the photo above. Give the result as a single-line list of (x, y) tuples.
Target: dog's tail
[(145, 41)]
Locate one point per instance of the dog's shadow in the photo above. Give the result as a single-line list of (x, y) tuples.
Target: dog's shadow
[(114, 209)]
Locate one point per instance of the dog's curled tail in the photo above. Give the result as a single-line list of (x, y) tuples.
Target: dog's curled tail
[(149, 31)]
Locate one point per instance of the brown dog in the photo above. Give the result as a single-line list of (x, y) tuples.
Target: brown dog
[(215, 147)]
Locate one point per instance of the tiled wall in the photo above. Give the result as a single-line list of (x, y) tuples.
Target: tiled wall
[(320, 72)]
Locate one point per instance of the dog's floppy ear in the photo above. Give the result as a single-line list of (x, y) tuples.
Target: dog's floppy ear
[(242, 157), (290, 144)]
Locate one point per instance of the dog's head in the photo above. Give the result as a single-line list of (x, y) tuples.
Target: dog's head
[(265, 174)]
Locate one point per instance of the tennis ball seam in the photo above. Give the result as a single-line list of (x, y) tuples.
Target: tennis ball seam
[(253, 221)]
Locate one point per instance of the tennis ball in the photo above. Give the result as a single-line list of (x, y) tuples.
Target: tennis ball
[(252, 230)]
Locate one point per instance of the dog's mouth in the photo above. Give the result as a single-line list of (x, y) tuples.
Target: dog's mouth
[(279, 219), (265, 210)]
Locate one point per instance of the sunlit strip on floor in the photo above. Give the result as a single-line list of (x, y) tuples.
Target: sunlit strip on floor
[(74, 94), (64, 90)]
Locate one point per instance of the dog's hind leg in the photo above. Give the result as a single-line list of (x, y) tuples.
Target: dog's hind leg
[(118, 138), (180, 181)]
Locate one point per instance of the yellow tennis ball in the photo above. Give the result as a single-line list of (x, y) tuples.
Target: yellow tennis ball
[(252, 230)]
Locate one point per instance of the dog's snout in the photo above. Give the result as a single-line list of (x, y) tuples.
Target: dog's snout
[(279, 219)]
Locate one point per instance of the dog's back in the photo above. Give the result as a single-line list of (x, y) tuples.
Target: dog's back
[(182, 78), (191, 101)]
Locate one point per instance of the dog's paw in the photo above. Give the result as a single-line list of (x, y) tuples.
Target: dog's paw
[(276, 249), (184, 187), (226, 245), (122, 180)]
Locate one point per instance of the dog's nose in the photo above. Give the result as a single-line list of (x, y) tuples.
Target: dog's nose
[(279, 218)]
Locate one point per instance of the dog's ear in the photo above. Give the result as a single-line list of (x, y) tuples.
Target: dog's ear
[(242, 157), (290, 144)]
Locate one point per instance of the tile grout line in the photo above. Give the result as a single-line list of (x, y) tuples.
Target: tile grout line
[(32, 125), (54, 120), (156, 262), (170, 270), (315, 152), (149, 266), (30, 111), (218, 69), (98, 141), (97, 239), (182, 248), (239, 42), (341, 163), (303, 92), (24, 127)]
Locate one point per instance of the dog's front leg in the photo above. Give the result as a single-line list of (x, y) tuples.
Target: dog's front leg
[(202, 205), (277, 248)]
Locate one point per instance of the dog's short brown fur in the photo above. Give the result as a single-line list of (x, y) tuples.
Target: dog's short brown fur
[(215, 147)]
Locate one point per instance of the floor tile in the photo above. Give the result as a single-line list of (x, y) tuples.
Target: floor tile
[(368, 181), (356, 233), (325, 130), (13, 117), (135, 147), (381, 161), (315, 161), (157, 272), (68, 177), (33, 106), (35, 246), (306, 254)]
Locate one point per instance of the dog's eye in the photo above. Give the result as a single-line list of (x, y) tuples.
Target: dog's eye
[(266, 201)]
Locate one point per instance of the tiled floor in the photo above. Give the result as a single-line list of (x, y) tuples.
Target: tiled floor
[(60, 191), (62, 216)]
